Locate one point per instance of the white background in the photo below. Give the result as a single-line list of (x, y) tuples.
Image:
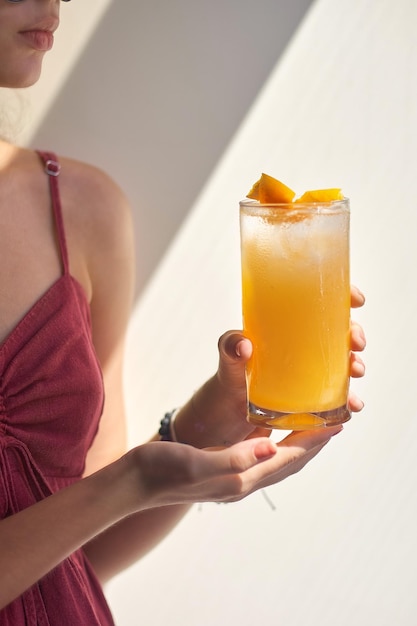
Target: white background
[(185, 103)]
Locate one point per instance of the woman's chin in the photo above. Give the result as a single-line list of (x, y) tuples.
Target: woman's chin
[(26, 77)]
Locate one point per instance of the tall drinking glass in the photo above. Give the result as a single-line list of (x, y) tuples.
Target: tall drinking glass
[(296, 312)]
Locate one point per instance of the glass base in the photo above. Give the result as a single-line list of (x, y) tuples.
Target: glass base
[(267, 418)]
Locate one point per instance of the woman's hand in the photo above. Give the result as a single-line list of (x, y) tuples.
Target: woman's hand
[(170, 473), (164, 473), (216, 414), (358, 343)]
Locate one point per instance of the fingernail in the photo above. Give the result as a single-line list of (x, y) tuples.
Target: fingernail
[(264, 450)]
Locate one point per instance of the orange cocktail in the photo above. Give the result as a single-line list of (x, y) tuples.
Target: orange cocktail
[(296, 311)]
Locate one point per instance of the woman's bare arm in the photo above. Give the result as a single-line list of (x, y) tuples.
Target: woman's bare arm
[(119, 512)]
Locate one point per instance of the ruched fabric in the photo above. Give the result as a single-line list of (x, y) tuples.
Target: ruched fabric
[(51, 399)]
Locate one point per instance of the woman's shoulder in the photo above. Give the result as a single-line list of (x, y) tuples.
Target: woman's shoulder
[(89, 188), (96, 211), (86, 190), (94, 205), (98, 221)]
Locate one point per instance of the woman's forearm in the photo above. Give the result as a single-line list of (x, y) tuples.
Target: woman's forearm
[(35, 540), (128, 541)]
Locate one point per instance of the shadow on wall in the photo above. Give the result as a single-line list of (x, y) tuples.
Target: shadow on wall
[(159, 91)]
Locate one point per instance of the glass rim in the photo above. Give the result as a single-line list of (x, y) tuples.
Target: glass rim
[(294, 206)]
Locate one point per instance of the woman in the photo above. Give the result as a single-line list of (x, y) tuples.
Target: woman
[(75, 508)]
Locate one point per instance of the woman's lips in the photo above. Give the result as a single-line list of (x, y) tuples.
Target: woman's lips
[(41, 40)]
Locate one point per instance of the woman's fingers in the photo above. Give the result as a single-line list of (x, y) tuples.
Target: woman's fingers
[(234, 352), (293, 453), (234, 347), (355, 404), (357, 299), (358, 343), (357, 337), (243, 456), (289, 452), (357, 366), (170, 473), (305, 440)]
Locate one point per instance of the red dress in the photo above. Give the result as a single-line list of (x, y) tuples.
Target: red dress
[(51, 399)]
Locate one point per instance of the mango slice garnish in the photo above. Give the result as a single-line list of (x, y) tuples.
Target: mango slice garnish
[(321, 195), (269, 190)]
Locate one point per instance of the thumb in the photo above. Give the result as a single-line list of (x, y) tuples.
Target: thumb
[(234, 352)]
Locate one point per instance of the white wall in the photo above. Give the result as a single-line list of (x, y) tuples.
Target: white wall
[(158, 92), (339, 108)]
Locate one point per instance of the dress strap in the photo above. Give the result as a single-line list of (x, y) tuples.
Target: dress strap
[(52, 168)]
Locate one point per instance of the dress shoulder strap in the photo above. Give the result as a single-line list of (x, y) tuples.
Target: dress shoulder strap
[(52, 168)]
